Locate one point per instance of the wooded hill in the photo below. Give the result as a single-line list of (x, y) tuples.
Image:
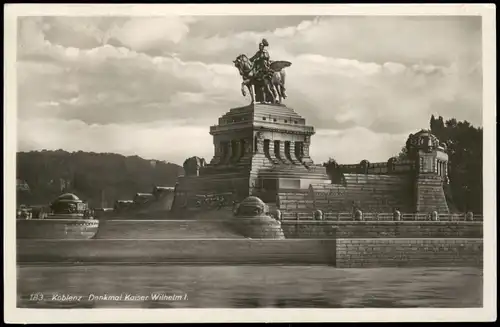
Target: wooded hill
[(99, 178)]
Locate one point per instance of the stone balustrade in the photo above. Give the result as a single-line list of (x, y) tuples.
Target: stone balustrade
[(380, 216)]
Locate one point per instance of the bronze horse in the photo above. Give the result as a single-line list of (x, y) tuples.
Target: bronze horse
[(273, 86)]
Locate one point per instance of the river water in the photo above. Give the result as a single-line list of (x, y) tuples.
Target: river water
[(181, 286)]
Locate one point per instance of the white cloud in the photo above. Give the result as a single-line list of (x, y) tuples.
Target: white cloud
[(160, 140), (142, 34), (155, 141), (355, 144), (373, 91)]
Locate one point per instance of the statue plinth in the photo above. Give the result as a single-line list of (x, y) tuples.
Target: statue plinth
[(258, 149)]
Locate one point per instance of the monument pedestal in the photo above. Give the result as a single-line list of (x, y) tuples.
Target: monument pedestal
[(258, 150)]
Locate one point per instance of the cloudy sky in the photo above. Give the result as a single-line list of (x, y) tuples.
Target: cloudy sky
[(153, 86)]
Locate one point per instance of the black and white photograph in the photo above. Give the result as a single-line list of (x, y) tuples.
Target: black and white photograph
[(265, 157)]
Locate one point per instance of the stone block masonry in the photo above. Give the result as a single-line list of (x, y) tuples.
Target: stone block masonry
[(396, 243), (395, 252), (186, 251), (430, 194), (307, 243), (382, 229)]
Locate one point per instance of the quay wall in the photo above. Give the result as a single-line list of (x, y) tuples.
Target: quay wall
[(382, 229), (335, 243)]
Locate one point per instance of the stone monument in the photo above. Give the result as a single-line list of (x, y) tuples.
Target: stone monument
[(262, 150), (259, 148)]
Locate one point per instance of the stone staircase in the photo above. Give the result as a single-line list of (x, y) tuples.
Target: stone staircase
[(294, 170), (370, 193)]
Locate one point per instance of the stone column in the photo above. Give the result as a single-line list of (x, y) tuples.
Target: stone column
[(306, 150), (446, 171), (282, 154), (217, 154), (276, 149), (271, 154), (306, 159), (229, 154), (258, 146), (247, 147), (299, 150), (247, 150), (293, 157), (236, 148), (291, 153)]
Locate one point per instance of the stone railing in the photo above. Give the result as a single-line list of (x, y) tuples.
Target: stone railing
[(379, 167), (383, 216)]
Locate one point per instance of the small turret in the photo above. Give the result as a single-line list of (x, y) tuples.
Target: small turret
[(431, 161), (429, 154)]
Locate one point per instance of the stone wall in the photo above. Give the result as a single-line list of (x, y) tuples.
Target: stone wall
[(190, 188), (370, 193), (409, 252), (56, 228), (215, 251), (343, 253), (344, 244), (430, 194), (382, 229), (383, 168), (167, 229)]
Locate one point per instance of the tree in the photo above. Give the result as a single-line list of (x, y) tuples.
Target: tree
[(464, 146), (403, 154), (465, 154)]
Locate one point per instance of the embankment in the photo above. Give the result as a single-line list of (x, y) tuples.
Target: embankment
[(382, 229), (409, 252), (165, 229), (56, 228), (222, 251), (336, 243)]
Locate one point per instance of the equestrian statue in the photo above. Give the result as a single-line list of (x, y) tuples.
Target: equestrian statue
[(266, 76)]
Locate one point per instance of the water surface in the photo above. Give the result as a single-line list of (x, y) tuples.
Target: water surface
[(247, 286)]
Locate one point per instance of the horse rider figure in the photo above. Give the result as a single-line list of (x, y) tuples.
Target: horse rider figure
[(261, 62), (267, 76)]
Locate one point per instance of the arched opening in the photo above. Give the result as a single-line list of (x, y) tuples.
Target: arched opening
[(224, 150), (243, 148), (266, 148), (277, 149), (299, 150), (287, 150)]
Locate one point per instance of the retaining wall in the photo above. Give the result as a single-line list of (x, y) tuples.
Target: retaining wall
[(382, 229), (56, 228), (344, 244), (409, 252), (370, 193), (341, 253), (165, 229), (222, 251)]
